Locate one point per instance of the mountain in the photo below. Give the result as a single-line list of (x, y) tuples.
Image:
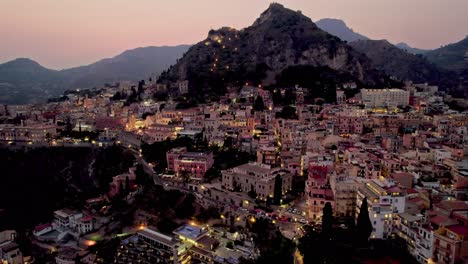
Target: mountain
[(23, 80), (338, 28), (135, 64), (279, 39), (26, 81), (451, 57), (403, 65), (409, 49)]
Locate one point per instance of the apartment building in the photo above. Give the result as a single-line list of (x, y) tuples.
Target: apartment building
[(256, 177), (384, 97), (385, 200), (195, 164)]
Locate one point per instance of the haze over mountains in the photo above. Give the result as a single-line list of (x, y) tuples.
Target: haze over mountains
[(282, 44), (26, 81)]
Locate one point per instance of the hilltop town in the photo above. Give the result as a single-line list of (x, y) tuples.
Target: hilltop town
[(258, 159)]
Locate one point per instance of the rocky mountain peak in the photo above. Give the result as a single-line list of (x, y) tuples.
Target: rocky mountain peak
[(277, 12)]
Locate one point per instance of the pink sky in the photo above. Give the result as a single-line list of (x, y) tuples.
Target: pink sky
[(65, 33)]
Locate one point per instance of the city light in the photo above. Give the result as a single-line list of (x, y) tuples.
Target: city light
[(90, 243)]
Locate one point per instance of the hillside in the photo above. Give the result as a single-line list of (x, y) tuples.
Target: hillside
[(451, 56), (26, 81), (280, 38), (409, 49), (338, 28), (134, 65), (403, 65), (23, 80)]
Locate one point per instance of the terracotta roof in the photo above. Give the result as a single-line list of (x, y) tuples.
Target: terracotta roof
[(42, 227), (460, 230)]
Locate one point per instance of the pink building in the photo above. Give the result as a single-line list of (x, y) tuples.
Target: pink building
[(120, 180), (195, 164), (318, 190)]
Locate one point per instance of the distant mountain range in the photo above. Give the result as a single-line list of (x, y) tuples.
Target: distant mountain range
[(443, 66), (403, 65), (26, 81), (280, 39), (282, 47), (338, 28)]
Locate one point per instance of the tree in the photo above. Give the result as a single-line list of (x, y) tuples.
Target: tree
[(363, 225), (117, 96), (277, 192), (185, 175), (327, 219), (68, 126), (230, 244), (127, 184), (140, 175), (259, 105), (288, 112), (121, 188)]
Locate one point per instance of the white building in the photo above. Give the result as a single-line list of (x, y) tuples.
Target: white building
[(385, 200), (384, 97), (441, 154)]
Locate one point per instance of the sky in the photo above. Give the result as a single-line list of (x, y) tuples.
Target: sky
[(65, 33)]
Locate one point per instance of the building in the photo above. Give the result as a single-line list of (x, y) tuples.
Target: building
[(183, 87), (267, 155), (451, 244), (406, 226), (259, 178), (150, 246), (66, 218), (384, 97), (195, 164), (340, 97), (73, 256), (9, 250), (385, 200), (186, 244), (10, 253), (36, 133), (344, 193), (318, 190)]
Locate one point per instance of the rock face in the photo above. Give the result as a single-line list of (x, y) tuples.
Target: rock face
[(403, 65), (338, 28), (278, 39)]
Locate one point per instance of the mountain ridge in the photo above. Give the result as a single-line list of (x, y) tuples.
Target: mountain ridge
[(24, 80), (278, 39), (403, 65), (451, 56), (340, 29)]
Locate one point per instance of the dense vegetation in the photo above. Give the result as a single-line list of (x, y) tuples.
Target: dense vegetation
[(451, 56), (38, 181)]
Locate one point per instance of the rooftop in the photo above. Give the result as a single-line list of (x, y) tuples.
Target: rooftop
[(191, 232), (157, 236)]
